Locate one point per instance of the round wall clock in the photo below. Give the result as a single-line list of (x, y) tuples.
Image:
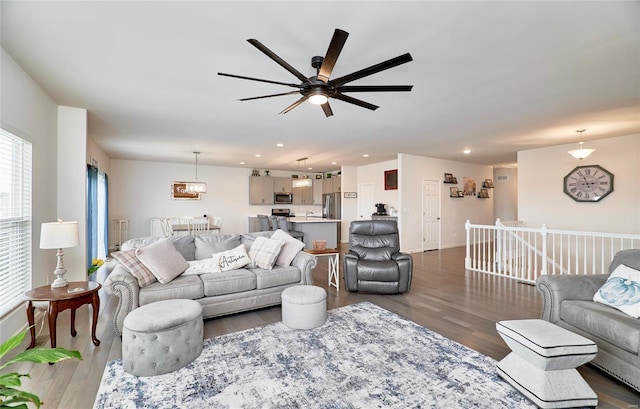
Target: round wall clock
[(588, 183)]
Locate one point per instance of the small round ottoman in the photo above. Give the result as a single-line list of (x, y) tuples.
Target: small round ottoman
[(304, 306), (161, 337)]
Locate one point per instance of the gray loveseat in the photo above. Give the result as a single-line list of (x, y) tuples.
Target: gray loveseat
[(218, 293), (568, 302)]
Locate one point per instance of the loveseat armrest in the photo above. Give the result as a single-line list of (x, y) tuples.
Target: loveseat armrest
[(558, 288), (305, 262), (124, 286)]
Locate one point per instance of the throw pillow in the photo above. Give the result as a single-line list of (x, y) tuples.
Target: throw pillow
[(621, 291), (264, 251), (129, 261), (162, 258), (204, 266), (290, 248), (231, 259)]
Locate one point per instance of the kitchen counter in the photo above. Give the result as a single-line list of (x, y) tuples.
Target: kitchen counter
[(311, 219), (317, 228)]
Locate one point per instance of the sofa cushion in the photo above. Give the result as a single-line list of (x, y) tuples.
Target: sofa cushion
[(621, 291), (208, 244), (278, 275), (162, 258), (264, 252), (185, 287), (290, 248), (131, 263), (183, 243), (248, 238), (604, 322), (371, 270), (229, 282)]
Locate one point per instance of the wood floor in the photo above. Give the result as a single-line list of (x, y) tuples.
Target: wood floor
[(458, 304)]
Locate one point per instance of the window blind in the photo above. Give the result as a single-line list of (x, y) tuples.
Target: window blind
[(15, 220)]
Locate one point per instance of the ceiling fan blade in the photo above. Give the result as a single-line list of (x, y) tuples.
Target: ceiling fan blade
[(269, 96), (295, 104), (375, 88), (277, 59), (258, 79), (335, 47), (355, 101), (385, 65), (327, 109)]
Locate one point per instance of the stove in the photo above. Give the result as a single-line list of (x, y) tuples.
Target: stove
[(281, 212)]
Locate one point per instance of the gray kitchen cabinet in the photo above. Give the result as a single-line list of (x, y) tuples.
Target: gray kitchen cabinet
[(331, 185), (281, 185), (303, 195), (260, 190)]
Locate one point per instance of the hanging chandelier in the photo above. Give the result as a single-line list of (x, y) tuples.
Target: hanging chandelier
[(196, 187), (581, 152)]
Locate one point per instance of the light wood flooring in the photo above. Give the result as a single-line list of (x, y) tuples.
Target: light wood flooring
[(458, 304)]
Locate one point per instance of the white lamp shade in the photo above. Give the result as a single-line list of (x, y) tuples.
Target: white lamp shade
[(196, 187), (581, 153), (59, 235)]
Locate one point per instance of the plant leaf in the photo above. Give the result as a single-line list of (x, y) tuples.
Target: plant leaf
[(12, 342), (43, 355), (12, 379), (16, 396)]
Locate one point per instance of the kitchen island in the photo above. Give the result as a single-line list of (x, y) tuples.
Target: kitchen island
[(317, 228)]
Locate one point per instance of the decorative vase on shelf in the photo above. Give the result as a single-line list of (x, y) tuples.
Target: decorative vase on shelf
[(266, 172)]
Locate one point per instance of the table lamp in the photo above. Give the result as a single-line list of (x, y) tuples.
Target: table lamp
[(59, 235)]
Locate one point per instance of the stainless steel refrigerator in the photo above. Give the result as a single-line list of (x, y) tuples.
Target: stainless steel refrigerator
[(331, 208)]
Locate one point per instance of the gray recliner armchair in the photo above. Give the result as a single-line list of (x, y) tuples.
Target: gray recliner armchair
[(374, 262)]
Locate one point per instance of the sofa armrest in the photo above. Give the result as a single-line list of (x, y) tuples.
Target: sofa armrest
[(305, 262), (124, 286), (558, 288)]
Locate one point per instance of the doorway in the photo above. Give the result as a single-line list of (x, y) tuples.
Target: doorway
[(365, 201), (430, 215)]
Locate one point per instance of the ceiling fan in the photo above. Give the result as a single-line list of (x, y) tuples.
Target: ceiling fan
[(319, 88)]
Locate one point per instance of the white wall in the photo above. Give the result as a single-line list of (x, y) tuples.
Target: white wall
[(349, 211), (72, 190), (142, 190), (541, 198), (27, 111), (412, 171), (374, 174)]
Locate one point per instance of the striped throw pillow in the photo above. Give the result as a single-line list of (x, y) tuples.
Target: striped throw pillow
[(264, 252)]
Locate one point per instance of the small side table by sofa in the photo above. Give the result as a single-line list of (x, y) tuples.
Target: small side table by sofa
[(334, 263), (60, 299)]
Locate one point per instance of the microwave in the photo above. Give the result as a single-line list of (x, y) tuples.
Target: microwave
[(282, 198)]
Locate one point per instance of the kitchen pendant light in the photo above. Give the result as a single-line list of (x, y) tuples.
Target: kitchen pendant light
[(581, 152), (196, 187)]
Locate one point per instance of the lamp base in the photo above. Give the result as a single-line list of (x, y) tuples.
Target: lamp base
[(59, 272), (59, 282)]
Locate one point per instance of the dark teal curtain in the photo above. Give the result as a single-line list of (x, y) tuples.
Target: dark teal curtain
[(92, 214), (105, 214)]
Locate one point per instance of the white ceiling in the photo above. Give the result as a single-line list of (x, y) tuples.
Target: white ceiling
[(493, 77)]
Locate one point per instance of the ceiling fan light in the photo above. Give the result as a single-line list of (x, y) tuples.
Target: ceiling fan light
[(318, 99)]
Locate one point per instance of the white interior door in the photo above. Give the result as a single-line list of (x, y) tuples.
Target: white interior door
[(430, 215), (365, 201)]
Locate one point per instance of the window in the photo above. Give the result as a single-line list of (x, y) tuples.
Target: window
[(97, 215), (15, 220)]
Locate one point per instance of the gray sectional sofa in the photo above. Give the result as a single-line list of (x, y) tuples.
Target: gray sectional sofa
[(219, 293), (568, 302)]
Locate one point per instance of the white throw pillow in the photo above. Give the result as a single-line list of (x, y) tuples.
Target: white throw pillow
[(231, 259), (264, 251), (290, 248), (204, 266), (162, 258), (621, 291)]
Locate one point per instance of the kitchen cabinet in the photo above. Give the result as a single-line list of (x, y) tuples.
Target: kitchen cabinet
[(303, 195), (331, 185), (281, 185), (260, 190)]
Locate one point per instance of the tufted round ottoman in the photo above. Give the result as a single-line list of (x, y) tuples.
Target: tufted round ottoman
[(304, 306), (161, 337)]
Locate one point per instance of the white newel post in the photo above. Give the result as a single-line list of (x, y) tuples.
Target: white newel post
[(467, 259), (544, 232)]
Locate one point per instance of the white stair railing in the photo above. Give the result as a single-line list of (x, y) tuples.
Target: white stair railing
[(525, 253)]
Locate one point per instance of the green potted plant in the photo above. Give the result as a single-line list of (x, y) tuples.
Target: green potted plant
[(10, 395)]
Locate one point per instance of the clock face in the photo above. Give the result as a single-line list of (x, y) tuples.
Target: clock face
[(588, 183)]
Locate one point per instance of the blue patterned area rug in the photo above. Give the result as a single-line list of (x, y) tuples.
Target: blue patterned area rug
[(363, 357)]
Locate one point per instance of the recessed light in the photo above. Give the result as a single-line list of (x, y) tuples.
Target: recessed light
[(310, 168), (242, 163), (466, 151), (279, 145), (258, 155), (333, 163), (366, 155)]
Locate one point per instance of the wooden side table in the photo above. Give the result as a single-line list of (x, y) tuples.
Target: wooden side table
[(334, 263), (63, 298)]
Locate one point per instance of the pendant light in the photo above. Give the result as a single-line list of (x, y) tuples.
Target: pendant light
[(196, 187), (581, 152)]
